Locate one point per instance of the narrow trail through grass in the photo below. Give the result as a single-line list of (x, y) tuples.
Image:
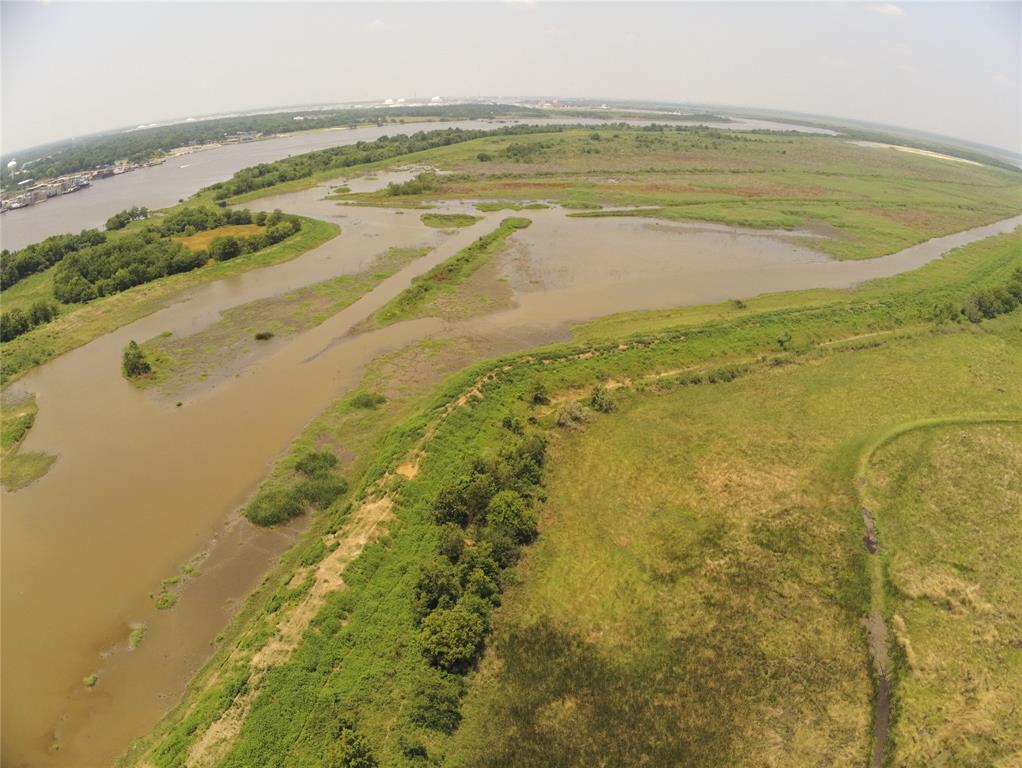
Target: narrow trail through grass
[(879, 618)]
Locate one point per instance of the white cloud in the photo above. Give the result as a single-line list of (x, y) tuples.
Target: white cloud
[(378, 25), (887, 9)]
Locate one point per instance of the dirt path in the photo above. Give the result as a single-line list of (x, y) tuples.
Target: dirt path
[(875, 623)]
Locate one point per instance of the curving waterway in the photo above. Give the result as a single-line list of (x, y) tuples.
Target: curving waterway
[(141, 487)]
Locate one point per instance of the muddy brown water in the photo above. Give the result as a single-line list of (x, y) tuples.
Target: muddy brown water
[(140, 487)]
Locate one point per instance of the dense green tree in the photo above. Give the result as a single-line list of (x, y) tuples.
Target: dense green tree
[(13, 323), (509, 513), (451, 542), (134, 362), (439, 586), (224, 248), (121, 219), (437, 700), (451, 638)]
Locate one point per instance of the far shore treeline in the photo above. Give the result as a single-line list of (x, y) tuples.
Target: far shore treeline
[(362, 152), (140, 145)]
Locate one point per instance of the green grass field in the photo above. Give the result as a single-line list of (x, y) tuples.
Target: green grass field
[(696, 592), (871, 200)]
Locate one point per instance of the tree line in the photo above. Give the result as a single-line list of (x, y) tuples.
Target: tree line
[(90, 265), (152, 253), (16, 321), (123, 218), (16, 266), (139, 145), (483, 519), (336, 158)]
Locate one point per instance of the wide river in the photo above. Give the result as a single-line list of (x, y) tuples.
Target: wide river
[(141, 487)]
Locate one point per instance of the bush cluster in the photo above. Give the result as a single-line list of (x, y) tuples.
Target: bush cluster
[(134, 362), (484, 518), (368, 400), (317, 487), (601, 400), (227, 247), (424, 182), (983, 305)]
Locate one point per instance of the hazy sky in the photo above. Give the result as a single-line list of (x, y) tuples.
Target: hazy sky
[(74, 68)]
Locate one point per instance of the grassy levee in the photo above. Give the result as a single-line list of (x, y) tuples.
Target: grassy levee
[(946, 494), (696, 590), (177, 362), (79, 324), (447, 276)]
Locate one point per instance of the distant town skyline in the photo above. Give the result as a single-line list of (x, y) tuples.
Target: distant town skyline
[(73, 69)]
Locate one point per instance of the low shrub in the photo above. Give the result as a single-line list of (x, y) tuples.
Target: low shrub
[(368, 400), (316, 463), (321, 491), (600, 400)]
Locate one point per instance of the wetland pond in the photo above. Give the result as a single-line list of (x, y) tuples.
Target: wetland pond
[(141, 487)]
